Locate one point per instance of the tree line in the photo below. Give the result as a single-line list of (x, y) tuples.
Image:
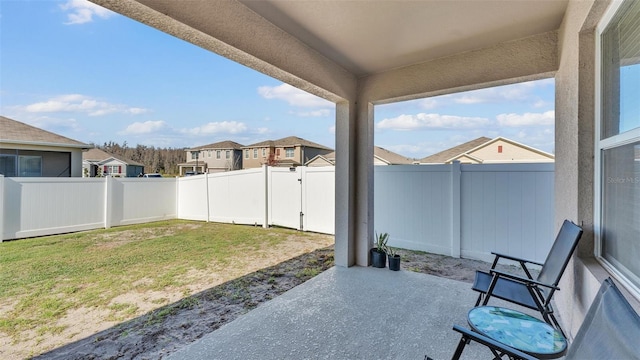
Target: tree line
[(155, 160)]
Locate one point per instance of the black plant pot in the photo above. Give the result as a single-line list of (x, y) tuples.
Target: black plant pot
[(378, 258), (394, 262)]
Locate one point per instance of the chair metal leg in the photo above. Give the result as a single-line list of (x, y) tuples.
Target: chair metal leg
[(463, 342)]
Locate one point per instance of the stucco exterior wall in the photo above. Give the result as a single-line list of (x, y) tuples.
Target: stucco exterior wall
[(574, 175)]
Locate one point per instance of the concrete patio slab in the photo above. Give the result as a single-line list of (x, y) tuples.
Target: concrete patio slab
[(354, 313)]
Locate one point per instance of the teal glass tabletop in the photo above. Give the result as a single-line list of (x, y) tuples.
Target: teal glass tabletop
[(517, 330)]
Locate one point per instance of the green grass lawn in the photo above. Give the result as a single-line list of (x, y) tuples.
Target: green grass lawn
[(41, 279)]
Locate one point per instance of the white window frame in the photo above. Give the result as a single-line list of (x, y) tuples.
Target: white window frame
[(611, 142), (255, 153), (218, 154), (286, 153), (227, 154)]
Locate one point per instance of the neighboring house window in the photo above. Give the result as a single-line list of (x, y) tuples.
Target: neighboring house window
[(288, 152), (8, 165), (277, 152), (113, 169), (29, 165), (618, 144), (246, 153), (255, 153), (209, 153), (264, 152), (227, 154), (217, 154)]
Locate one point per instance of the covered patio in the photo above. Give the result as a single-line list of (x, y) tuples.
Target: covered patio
[(359, 54), (355, 313)]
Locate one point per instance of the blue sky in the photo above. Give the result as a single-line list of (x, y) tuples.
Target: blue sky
[(84, 72)]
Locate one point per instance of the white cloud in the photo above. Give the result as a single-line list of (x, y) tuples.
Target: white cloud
[(514, 92), (314, 113), (146, 127), (82, 11), (432, 121), (292, 95), (332, 129), (428, 103), (80, 104), (224, 127), (527, 119)]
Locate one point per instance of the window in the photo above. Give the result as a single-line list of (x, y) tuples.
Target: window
[(264, 152), (617, 207), (217, 154), (288, 152), (255, 153), (8, 165), (246, 153), (112, 169), (194, 155), (227, 154), (29, 165), (209, 152)]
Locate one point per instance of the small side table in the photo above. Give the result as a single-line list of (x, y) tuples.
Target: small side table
[(518, 330)]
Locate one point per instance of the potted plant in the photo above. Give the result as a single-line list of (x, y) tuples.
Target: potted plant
[(394, 259), (379, 253)]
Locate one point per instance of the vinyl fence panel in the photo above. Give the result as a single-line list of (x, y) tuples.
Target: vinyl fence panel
[(192, 199), (142, 200), (413, 204), (319, 198), (238, 197), (285, 197), (507, 208), (45, 206)]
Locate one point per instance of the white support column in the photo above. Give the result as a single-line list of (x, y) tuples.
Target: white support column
[(455, 209), (364, 182), (345, 185)]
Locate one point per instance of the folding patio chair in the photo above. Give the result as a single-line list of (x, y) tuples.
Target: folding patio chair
[(526, 291), (610, 330)]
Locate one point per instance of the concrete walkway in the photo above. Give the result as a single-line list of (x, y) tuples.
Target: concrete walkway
[(354, 313)]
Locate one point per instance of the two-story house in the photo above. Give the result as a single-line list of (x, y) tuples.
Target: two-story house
[(217, 157), (287, 152)]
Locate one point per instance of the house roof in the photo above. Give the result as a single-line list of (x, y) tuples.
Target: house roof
[(16, 132), (383, 154), (288, 141), (500, 138), (222, 145), (445, 155), (99, 155)]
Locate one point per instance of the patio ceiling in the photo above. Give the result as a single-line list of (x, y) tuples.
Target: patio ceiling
[(367, 37), (324, 47)]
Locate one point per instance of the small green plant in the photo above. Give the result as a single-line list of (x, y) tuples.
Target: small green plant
[(391, 251), (381, 242)]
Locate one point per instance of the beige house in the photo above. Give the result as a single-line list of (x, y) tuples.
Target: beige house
[(212, 158), (287, 152), (97, 162), (489, 151), (381, 156), (27, 151), (361, 59)]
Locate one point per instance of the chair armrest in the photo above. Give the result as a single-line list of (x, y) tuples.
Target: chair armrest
[(468, 334), (509, 257), (521, 279)]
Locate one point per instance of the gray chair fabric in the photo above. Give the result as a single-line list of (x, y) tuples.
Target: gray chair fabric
[(610, 330), (526, 291)]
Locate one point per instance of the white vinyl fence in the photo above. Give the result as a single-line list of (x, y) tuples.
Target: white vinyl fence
[(457, 210), (467, 210)]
